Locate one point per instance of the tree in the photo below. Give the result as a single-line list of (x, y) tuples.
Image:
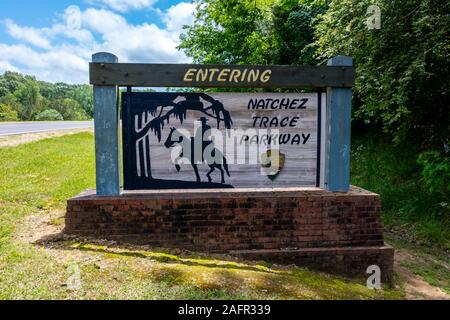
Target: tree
[(11, 101), (59, 91), (294, 25), (256, 32), (4, 90), (28, 95), (161, 114), (229, 31), (402, 69), (83, 95), (13, 80)]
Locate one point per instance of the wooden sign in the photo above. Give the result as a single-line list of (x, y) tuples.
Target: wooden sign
[(222, 140)]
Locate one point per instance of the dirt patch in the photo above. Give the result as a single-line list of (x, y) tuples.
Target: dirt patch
[(41, 225), (12, 141), (415, 287), (45, 231)]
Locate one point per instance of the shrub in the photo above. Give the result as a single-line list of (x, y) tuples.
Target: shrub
[(49, 115), (70, 109), (7, 113), (436, 171)]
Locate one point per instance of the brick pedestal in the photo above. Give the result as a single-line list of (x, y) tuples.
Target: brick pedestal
[(337, 232)]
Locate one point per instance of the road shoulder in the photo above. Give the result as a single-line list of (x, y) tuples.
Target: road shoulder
[(15, 140)]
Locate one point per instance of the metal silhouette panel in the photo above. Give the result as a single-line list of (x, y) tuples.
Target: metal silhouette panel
[(222, 140)]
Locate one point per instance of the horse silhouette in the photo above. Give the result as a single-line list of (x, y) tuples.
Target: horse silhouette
[(223, 167)]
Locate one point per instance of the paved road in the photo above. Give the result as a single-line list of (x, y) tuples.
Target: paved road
[(15, 128)]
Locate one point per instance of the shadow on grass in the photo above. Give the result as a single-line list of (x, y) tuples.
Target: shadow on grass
[(64, 242), (224, 276)]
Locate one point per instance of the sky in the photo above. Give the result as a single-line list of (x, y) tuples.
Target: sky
[(54, 40)]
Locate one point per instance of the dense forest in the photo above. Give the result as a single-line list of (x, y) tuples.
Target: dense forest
[(401, 118), (24, 98)]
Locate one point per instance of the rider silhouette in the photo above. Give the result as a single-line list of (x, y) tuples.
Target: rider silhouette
[(200, 135)]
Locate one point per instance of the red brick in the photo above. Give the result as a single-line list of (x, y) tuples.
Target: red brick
[(226, 221)]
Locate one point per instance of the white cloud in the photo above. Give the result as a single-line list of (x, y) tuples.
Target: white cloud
[(66, 64), (30, 35), (125, 5), (103, 21), (6, 66), (65, 48), (144, 42), (178, 16)]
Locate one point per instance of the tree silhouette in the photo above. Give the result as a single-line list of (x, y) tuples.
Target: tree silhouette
[(163, 111), (179, 111)]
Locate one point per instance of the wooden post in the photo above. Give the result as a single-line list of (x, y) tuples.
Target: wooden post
[(106, 118), (338, 132)]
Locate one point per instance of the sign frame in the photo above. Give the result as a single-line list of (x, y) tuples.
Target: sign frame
[(338, 78)]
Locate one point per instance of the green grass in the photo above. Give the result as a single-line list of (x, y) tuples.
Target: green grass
[(37, 178), (392, 171), (45, 173)]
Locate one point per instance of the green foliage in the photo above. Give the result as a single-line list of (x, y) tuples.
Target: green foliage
[(11, 81), (11, 101), (402, 69), (253, 32), (7, 113), (294, 30), (3, 89), (29, 97), (49, 115), (229, 31), (69, 109), (80, 93), (83, 95), (393, 172), (436, 171)]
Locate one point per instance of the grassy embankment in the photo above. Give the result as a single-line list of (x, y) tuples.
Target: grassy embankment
[(35, 181), (409, 209)]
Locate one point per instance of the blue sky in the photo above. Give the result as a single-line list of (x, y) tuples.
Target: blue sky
[(54, 39)]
